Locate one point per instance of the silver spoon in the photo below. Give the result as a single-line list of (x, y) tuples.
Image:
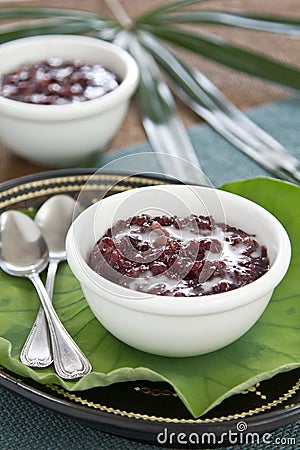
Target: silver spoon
[(24, 253), (53, 219)]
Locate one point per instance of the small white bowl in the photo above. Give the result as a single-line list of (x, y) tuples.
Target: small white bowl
[(62, 135), (177, 326)]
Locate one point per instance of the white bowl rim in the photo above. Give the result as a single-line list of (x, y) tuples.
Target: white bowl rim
[(185, 306), (107, 101)]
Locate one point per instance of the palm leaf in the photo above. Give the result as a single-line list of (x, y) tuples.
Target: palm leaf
[(252, 22), (31, 12), (165, 130), (160, 118), (39, 27), (53, 21), (220, 50)]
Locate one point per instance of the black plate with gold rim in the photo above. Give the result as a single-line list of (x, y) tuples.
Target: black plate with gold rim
[(143, 410)]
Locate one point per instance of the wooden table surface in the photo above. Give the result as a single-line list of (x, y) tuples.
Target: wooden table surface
[(243, 90)]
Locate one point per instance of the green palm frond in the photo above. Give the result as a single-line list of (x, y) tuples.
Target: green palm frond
[(222, 51), (48, 26), (31, 12)]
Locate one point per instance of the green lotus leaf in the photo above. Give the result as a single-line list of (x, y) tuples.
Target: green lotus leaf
[(270, 347)]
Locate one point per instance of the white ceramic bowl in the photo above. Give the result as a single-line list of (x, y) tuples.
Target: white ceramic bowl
[(62, 135), (177, 326)]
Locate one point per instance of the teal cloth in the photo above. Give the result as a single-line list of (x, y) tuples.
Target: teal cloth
[(220, 161), (27, 426)]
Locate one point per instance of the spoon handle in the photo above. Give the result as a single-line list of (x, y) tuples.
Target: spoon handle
[(36, 351), (69, 361)]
